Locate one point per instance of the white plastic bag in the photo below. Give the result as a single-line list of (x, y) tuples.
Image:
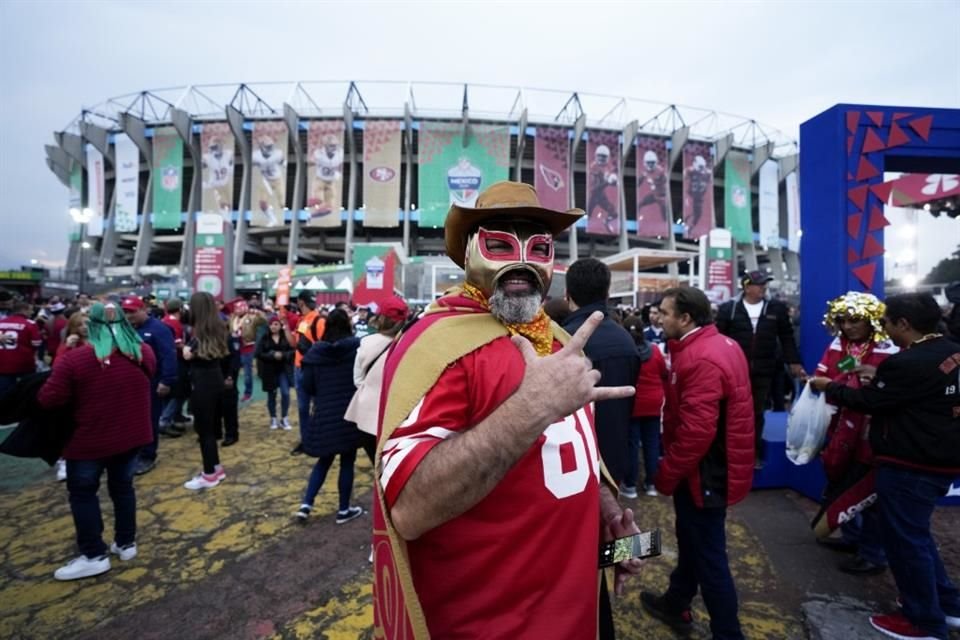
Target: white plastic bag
[(807, 425)]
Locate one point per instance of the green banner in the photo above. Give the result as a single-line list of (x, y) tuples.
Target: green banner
[(76, 198), (452, 172), (737, 202), (167, 178)]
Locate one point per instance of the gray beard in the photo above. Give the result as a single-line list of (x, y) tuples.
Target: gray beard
[(515, 309)]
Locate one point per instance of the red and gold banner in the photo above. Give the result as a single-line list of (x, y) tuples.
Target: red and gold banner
[(382, 141), (551, 161), (653, 188), (697, 189), (603, 183), (268, 187), (325, 173)]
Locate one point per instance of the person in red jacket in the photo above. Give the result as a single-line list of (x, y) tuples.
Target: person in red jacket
[(708, 460), (107, 384), (647, 409)]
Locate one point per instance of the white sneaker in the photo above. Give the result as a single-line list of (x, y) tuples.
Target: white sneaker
[(628, 492), (61, 470), (82, 567), (128, 552), (202, 481), (286, 424), (220, 472), (274, 424), (651, 491)]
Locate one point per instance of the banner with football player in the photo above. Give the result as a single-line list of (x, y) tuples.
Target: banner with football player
[(551, 161), (382, 142), (167, 178), (325, 173), (653, 188), (75, 198), (217, 151), (128, 184), (603, 183), (737, 201), (268, 184), (96, 190), (451, 172), (769, 204), (697, 189)]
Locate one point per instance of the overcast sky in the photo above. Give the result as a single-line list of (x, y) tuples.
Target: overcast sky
[(778, 62)]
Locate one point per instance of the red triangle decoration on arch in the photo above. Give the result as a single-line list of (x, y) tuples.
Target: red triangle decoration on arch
[(853, 225), (849, 177), (882, 191), (849, 145), (858, 196), (877, 219), (865, 273), (897, 136), (872, 142), (899, 114), (853, 117), (866, 170), (872, 248), (922, 126), (852, 255), (876, 117)]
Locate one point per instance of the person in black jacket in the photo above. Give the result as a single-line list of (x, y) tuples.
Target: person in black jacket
[(914, 398), (274, 356), (614, 354), (758, 325), (328, 378)]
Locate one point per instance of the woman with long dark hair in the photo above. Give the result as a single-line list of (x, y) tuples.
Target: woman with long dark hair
[(208, 354), (328, 378)]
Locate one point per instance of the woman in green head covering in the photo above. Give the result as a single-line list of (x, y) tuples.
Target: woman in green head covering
[(110, 331)]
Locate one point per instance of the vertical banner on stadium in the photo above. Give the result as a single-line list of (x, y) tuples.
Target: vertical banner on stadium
[(769, 204), (718, 270), (653, 188), (737, 200), (128, 184), (283, 286), (217, 150), (95, 192), (603, 180), (325, 173), (697, 189), (551, 161), (167, 178), (451, 173), (268, 184), (381, 173), (793, 212), (75, 201), (209, 264), (374, 273)]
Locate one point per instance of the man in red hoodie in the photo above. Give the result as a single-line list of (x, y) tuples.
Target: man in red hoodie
[(707, 463)]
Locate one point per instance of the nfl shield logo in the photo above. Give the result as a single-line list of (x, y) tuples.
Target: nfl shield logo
[(463, 181), (739, 197), (171, 178)]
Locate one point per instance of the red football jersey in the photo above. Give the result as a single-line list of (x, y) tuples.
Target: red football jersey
[(522, 563), (19, 340)]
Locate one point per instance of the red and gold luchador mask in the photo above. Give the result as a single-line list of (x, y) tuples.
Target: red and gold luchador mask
[(500, 247)]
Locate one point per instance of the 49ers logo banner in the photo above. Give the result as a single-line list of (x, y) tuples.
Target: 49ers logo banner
[(697, 189), (381, 173), (454, 170), (325, 173), (268, 186), (551, 160), (603, 183), (653, 188)]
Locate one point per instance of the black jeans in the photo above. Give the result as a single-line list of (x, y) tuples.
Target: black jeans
[(702, 562), (83, 482), (230, 411), (207, 405), (760, 387)]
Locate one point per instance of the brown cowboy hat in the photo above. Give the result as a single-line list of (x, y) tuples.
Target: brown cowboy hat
[(501, 200)]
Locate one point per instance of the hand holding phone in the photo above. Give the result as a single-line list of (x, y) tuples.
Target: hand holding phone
[(640, 545)]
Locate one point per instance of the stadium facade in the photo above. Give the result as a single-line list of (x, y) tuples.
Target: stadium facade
[(220, 186)]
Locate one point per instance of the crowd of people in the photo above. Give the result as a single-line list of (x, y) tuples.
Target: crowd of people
[(506, 429)]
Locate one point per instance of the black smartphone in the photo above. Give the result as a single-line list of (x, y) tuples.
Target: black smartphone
[(640, 545)]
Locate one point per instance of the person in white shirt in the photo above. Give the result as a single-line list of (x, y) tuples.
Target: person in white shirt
[(271, 164), (217, 174), (328, 160)]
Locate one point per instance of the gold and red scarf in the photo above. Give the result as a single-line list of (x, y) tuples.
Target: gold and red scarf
[(537, 331)]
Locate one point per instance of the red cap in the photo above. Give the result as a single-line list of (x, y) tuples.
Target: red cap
[(394, 308), (132, 303)]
